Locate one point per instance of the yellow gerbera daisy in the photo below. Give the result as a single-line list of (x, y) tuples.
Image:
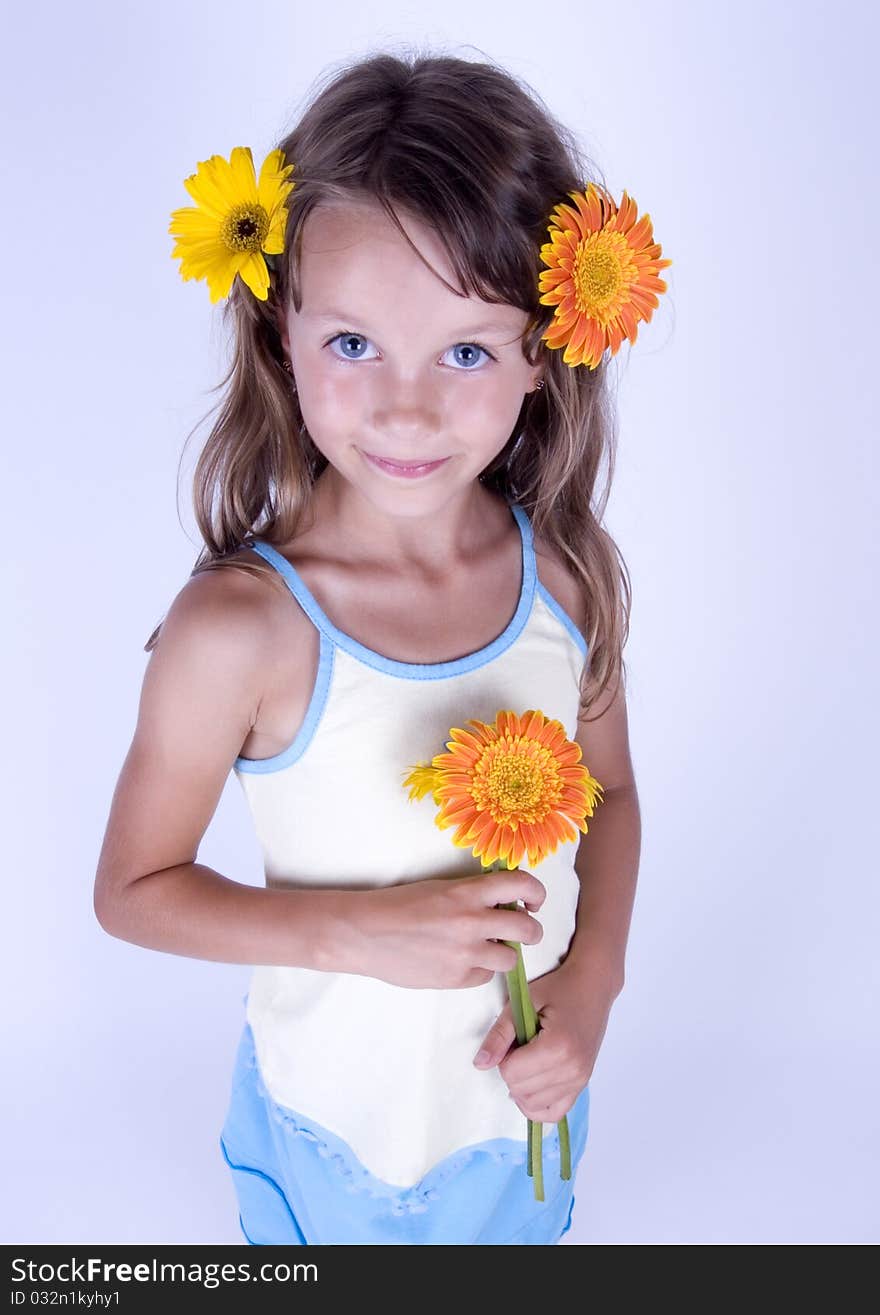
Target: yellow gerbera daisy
[(234, 222), (602, 275), (510, 788)]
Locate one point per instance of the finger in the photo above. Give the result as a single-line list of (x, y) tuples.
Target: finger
[(496, 955), (536, 1062), (504, 887), (548, 1081), (497, 1041), (548, 1106), (514, 925)]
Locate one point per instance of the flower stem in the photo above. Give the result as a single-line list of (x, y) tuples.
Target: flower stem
[(514, 990), (527, 1025), (564, 1148), (525, 1021)]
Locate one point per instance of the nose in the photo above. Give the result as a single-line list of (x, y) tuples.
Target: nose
[(407, 415)]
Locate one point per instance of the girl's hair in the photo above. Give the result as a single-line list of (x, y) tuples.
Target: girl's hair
[(474, 154)]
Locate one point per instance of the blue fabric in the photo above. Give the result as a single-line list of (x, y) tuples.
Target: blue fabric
[(298, 1184)]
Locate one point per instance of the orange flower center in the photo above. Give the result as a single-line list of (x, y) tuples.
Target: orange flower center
[(516, 782), (245, 227), (603, 269)]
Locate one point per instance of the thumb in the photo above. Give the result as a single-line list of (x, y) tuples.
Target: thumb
[(497, 1040)]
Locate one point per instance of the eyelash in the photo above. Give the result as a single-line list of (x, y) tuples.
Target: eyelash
[(350, 333)]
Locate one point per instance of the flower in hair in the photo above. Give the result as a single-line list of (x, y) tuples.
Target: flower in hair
[(602, 275), (236, 224)]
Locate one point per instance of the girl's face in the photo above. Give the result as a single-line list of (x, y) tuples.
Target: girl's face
[(389, 361)]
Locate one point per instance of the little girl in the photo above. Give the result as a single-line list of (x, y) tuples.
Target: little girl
[(402, 532)]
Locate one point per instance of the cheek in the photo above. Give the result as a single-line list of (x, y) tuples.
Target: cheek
[(336, 394), (328, 402), (489, 410)]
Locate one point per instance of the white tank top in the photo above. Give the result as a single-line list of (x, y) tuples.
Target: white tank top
[(389, 1069)]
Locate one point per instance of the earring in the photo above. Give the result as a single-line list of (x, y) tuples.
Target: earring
[(288, 367), (539, 383)]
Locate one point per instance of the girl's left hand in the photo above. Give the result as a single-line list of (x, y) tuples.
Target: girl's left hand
[(547, 1074)]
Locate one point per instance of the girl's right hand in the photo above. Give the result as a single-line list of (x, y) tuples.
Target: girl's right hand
[(446, 931)]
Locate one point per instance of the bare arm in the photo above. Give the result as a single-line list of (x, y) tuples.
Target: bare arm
[(607, 860), (200, 698), (192, 910)]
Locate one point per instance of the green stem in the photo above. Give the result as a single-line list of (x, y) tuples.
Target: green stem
[(514, 990), (564, 1148), (527, 1025), (525, 1022), (518, 1015)]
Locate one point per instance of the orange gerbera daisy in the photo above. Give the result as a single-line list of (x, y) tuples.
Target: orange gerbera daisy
[(511, 788), (602, 275)]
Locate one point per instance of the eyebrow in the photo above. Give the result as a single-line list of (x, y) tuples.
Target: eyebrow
[(492, 326)]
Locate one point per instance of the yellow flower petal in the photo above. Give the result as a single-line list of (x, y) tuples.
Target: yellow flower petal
[(235, 223)]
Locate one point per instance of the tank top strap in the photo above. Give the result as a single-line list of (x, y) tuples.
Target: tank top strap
[(295, 583), (310, 605)]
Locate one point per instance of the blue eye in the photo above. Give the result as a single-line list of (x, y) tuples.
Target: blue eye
[(348, 337), (472, 346)]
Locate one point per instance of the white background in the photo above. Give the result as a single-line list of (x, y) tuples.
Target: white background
[(735, 1097)]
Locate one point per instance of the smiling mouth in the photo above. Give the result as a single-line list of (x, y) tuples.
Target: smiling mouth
[(392, 465), (405, 465)]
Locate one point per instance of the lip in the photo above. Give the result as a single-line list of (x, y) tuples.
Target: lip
[(405, 470)]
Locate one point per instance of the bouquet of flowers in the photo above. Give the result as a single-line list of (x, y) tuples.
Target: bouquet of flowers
[(513, 788)]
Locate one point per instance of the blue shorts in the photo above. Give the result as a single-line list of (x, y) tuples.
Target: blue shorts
[(297, 1184)]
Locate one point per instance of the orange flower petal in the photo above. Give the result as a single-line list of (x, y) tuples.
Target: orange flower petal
[(601, 276), (513, 787)]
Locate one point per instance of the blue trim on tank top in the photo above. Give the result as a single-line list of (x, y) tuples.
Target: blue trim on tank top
[(332, 638), (560, 613), (414, 670)]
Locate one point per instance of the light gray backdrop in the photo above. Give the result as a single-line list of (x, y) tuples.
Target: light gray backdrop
[(735, 1097)]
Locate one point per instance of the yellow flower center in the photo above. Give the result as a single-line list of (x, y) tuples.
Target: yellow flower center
[(516, 781), (603, 269), (245, 227)]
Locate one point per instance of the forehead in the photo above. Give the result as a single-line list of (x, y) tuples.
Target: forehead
[(355, 261)]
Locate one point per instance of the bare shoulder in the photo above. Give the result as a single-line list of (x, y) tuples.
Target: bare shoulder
[(227, 604), (211, 652), (200, 697)]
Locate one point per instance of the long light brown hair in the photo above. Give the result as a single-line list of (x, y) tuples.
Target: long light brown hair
[(475, 154)]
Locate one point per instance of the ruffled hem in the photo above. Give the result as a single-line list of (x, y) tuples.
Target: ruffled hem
[(357, 1178)]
